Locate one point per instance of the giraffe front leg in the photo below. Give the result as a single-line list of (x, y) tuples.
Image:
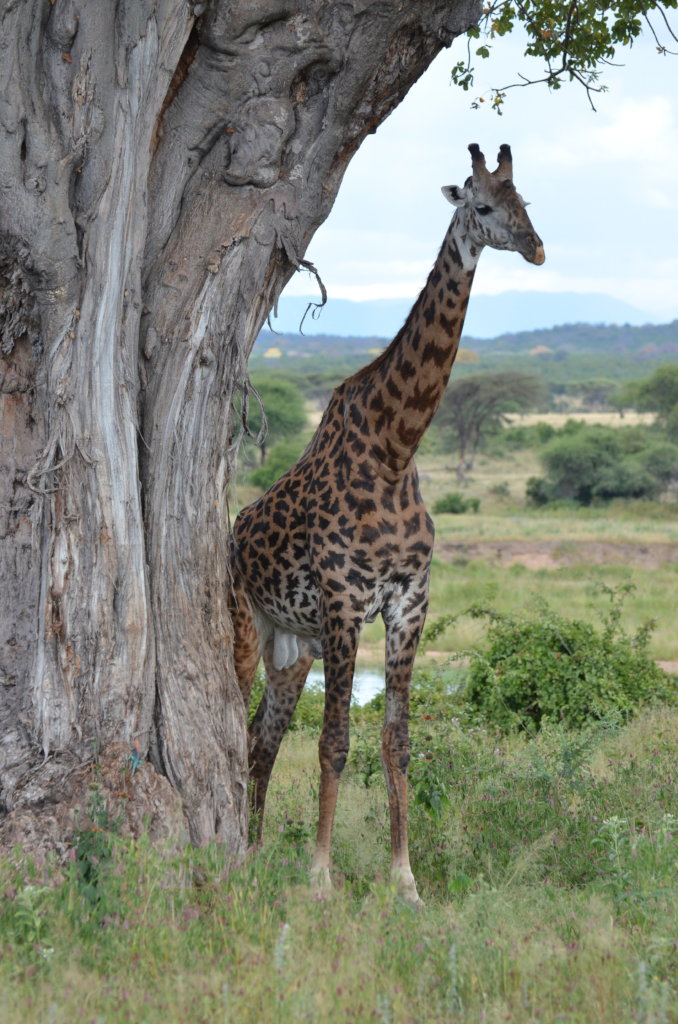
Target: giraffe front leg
[(339, 653), (402, 638)]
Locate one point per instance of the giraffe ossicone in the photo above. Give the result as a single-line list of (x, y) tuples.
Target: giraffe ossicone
[(344, 535)]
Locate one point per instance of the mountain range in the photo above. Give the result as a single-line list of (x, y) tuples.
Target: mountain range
[(488, 315)]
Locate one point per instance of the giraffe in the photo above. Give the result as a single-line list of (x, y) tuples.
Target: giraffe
[(344, 535)]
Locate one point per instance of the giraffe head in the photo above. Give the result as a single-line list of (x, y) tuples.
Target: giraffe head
[(493, 211)]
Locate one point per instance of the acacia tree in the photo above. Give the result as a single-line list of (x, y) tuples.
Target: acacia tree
[(473, 406), (163, 167)]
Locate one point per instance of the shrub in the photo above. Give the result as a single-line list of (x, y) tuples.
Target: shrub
[(626, 479), (547, 668), (662, 461), (520, 436), (500, 490), (602, 463), (454, 503), (281, 457), (310, 710), (671, 424), (574, 462), (538, 491)]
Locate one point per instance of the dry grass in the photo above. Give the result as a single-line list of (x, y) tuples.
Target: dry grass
[(559, 419)]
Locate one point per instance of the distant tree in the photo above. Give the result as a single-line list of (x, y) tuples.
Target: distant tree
[(659, 393), (625, 397), (283, 407), (476, 405), (520, 436), (594, 393), (671, 424)]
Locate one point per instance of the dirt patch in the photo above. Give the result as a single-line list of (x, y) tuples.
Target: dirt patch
[(558, 554)]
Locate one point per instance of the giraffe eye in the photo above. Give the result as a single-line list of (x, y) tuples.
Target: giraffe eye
[(483, 210)]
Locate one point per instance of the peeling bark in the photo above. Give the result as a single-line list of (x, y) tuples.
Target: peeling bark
[(163, 167)]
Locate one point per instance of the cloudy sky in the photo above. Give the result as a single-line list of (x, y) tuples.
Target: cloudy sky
[(603, 186)]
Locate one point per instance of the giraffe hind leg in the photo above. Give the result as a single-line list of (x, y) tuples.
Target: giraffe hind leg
[(246, 645), (269, 725), (339, 651)]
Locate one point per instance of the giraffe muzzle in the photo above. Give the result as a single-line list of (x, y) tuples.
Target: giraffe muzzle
[(533, 250)]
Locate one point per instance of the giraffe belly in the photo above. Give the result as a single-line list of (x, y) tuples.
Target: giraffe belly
[(286, 625), (282, 590), (295, 609)]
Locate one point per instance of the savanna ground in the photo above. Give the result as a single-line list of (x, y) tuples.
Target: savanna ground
[(548, 868), (548, 864)]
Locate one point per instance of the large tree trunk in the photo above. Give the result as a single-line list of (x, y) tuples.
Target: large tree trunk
[(163, 167)]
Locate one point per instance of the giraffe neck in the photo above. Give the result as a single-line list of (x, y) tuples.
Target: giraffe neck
[(400, 391)]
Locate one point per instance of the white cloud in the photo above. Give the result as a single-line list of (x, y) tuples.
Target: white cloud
[(639, 131), (632, 132)]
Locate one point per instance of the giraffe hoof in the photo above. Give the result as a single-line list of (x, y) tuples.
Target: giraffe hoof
[(405, 885), (321, 883)]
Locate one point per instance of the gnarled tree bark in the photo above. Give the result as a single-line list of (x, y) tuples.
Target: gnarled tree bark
[(163, 167)]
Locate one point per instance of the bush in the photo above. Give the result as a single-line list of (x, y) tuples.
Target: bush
[(626, 479), (662, 461), (500, 490), (597, 463), (520, 436), (574, 462), (281, 457), (538, 491), (548, 668), (454, 503), (672, 424)]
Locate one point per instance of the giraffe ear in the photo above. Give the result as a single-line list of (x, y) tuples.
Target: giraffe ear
[(454, 195)]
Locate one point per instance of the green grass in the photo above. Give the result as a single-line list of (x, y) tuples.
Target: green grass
[(572, 591), (618, 523), (548, 868)]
